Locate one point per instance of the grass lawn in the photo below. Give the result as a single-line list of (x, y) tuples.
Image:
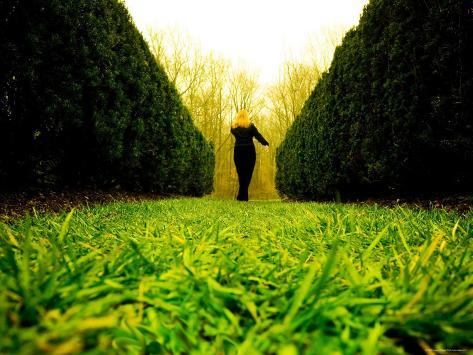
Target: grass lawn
[(205, 276)]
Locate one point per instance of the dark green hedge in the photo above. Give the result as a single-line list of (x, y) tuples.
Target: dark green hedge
[(83, 102), (394, 111)]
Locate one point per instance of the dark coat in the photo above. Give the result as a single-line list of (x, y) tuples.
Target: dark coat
[(244, 136)]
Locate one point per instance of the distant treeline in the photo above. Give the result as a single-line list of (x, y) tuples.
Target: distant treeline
[(83, 102), (394, 112)]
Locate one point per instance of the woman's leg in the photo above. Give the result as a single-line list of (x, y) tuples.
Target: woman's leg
[(250, 166), (247, 158), (238, 158)]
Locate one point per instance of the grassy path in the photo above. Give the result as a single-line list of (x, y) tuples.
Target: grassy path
[(207, 276)]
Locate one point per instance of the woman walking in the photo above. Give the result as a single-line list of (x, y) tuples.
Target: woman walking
[(244, 154)]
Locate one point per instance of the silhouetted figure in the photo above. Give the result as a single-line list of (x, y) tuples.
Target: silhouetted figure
[(244, 154)]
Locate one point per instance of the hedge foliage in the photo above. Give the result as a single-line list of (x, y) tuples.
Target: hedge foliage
[(84, 102), (394, 111)]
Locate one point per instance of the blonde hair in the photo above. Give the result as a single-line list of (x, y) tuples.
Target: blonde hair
[(242, 119)]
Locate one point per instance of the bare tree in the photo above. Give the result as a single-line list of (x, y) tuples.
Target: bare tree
[(245, 92), (287, 97), (181, 57)]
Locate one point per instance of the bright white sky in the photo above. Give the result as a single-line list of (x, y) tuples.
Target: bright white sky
[(259, 33)]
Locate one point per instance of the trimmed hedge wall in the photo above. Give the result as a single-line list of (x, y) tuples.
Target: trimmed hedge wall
[(394, 112), (83, 102)]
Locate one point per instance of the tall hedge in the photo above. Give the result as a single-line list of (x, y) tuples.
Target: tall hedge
[(394, 112), (83, 102)]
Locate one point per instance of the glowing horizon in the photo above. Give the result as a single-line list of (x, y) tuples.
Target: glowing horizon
[(261, 34)]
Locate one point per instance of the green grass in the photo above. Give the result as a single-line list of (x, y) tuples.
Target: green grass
[(203, 276)]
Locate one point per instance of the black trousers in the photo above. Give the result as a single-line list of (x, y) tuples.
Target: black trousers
[(244, 157)]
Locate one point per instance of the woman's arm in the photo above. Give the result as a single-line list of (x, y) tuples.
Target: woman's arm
[(259, 137)]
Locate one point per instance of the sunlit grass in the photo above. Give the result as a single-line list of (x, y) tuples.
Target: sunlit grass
[(209, 276)]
